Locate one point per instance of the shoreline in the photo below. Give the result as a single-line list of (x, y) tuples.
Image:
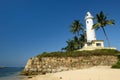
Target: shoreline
[(14, 76), (11, 73), (93, 73), (1, 67)]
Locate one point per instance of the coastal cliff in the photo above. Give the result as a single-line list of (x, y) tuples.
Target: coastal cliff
[(44, 65)]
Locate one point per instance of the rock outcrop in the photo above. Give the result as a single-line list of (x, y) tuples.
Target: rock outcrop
[(55, 64)]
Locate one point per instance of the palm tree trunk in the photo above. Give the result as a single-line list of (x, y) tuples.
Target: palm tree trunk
[(78, 33), (106, 36)]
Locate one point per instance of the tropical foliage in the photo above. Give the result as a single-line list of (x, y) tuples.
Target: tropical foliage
[(79, 33), (79, 37), (102, 21), (76, 27)]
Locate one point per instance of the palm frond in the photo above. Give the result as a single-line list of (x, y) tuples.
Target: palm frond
[(96, 26), (110, 22), (76, 27)]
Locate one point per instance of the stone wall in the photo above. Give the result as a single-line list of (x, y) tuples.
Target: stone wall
[(54, 64)]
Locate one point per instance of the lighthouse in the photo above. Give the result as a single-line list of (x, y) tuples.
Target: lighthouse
[(89, 31), (91, 43)]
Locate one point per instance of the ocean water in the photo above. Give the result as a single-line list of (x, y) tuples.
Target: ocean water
[(11, 73)]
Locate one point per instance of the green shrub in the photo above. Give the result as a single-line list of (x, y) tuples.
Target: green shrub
[(118, 55), (117, 66), (118, 62)]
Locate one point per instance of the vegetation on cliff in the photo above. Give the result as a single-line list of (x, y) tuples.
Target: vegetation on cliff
[(50, 62), (97, 52)]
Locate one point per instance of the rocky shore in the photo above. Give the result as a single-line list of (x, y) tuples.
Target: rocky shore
[(55, 64)]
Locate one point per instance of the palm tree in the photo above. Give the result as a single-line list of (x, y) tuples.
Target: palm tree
[(102, 21), (76, 27), (79, 39)]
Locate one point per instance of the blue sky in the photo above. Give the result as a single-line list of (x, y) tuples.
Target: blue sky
[(30, 27)]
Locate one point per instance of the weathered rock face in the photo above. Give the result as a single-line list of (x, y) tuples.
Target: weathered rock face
[(54, 64)]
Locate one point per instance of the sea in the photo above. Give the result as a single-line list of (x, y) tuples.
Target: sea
[(11, 73)]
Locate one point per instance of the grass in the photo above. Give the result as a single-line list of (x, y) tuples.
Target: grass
[(98, 52)]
